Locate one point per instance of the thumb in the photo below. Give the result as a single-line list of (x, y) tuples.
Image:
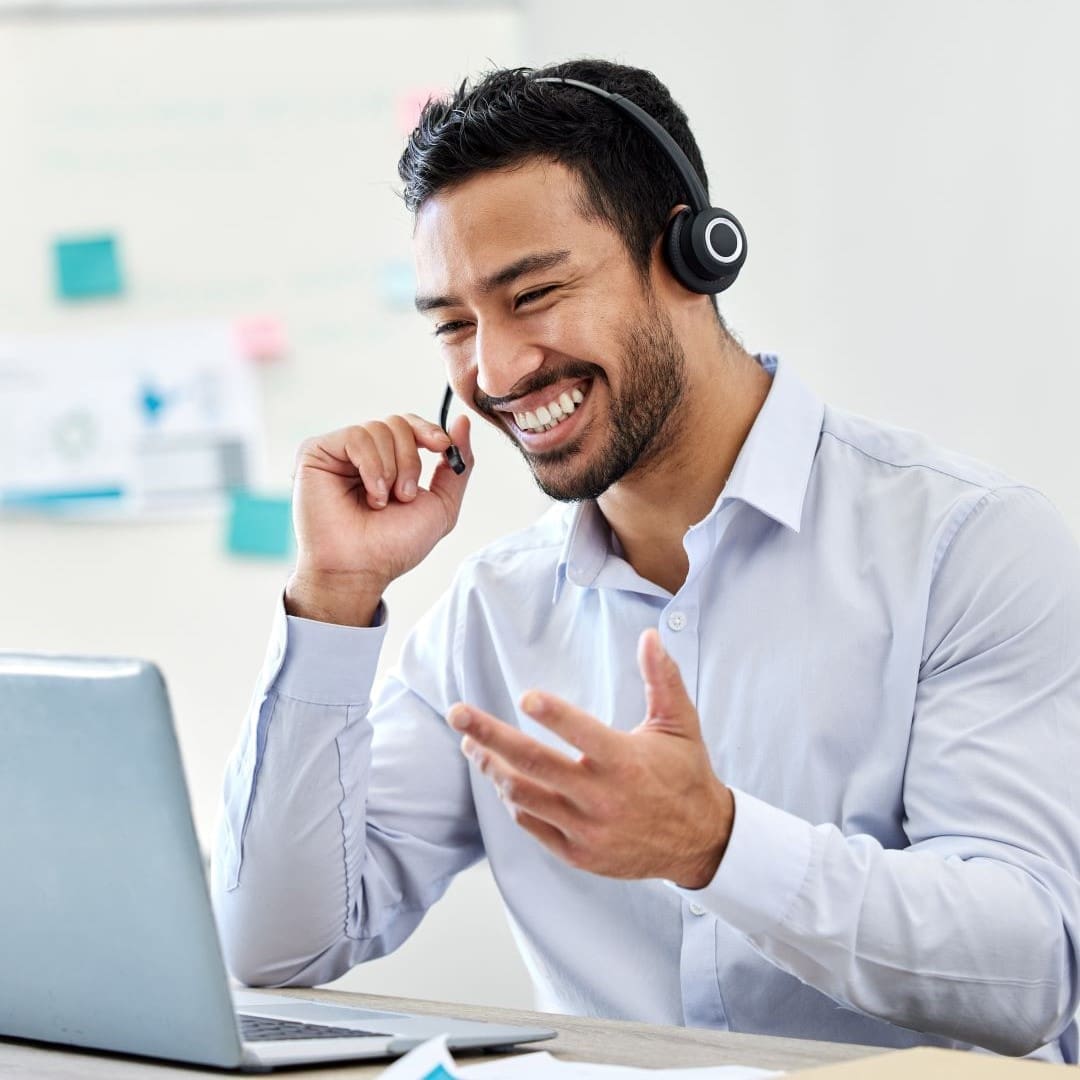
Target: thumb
[(447, 484), (667, 704)]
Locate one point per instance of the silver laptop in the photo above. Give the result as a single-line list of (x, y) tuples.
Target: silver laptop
[(107, 937)]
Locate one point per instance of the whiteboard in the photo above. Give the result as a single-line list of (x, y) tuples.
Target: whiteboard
[(247, 165), (246, 162)]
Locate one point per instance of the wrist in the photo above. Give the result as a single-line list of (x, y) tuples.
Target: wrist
[(346, 598), (700, 870)]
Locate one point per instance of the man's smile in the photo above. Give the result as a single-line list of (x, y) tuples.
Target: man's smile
[(535, 418)]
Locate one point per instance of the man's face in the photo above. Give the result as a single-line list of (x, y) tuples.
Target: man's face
[(547, 327)]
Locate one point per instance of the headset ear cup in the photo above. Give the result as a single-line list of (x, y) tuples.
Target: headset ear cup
[(676, 243), (673, 250)]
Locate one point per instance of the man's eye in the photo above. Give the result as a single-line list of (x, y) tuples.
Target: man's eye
[(449, 327), (529, 297)]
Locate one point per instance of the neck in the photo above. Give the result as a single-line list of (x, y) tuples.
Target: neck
[(652, 507)]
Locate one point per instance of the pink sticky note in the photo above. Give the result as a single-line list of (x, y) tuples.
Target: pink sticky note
[(262, 337), (411, 103)]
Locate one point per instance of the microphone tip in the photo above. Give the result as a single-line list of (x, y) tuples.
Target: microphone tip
[(454, 459)]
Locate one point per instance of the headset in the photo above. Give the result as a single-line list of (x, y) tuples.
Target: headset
[(704, 246)]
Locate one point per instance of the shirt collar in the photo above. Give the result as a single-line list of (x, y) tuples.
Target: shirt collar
[(771, 473), (585, 549)]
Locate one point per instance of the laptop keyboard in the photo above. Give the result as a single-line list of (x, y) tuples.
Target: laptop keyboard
[(259, 1028)]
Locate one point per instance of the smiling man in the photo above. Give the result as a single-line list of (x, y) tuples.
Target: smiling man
[(770, 724)]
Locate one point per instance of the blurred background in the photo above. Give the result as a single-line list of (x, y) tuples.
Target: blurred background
[(204, 258)]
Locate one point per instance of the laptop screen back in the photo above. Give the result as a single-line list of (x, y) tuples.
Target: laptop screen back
[(107, 937)]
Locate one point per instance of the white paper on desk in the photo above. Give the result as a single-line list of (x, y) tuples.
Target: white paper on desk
[(432, 1061), (429, 1061)]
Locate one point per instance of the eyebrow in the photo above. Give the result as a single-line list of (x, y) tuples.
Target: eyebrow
[(528, 264)]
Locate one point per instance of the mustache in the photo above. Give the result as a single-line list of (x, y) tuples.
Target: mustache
[(538, 380)]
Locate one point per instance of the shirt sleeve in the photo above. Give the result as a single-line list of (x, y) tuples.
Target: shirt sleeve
[(970, 932), (345, 816)]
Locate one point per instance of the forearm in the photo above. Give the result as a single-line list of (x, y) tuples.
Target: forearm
[(287, 900), (974, 949), (298, 774), (334, 838), (946, 938)]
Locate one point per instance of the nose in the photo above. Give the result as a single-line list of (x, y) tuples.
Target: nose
[(503, 358)]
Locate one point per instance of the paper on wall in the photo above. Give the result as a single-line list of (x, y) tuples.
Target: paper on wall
[(126, 422)]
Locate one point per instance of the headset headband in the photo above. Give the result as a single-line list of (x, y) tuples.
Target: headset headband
[(699, 198)]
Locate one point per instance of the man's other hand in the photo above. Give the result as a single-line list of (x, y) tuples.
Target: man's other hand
[(638, 804)]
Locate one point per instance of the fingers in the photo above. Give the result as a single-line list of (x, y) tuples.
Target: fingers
[(534, 780), (428, 434), (447, 484), (373, 445), (666, 700), (406, 458), (521, 751), (522, 793), (594, 739), (349, 453), (382, 453)]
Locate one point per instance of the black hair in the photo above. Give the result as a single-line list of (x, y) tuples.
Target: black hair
[(508, 117)]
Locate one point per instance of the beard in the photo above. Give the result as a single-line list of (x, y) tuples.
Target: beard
[(643, 416)]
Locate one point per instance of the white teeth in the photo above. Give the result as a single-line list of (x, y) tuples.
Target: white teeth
[(548, 416)]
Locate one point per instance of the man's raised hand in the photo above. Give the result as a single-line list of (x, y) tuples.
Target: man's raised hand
[(361, 517)]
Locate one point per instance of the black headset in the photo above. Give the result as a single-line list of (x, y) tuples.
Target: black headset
[(704, 246)]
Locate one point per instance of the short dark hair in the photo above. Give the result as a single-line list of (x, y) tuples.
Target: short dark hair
[(508, 117)]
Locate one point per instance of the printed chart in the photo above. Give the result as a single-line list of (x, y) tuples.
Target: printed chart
[(140, 420)]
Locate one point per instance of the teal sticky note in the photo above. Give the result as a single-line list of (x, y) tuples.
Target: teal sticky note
[(87, 268), (260, 526)]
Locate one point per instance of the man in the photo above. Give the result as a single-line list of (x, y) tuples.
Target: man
[(772, 724)]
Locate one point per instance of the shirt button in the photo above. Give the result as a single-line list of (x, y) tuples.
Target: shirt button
[(696, 909), (676, 620)]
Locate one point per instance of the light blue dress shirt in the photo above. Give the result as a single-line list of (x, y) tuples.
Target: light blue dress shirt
[(883, 643)]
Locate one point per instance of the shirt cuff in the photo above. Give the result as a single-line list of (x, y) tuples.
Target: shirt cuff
[(327, 664), (763, 868)]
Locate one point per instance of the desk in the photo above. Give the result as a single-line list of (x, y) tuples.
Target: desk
[(613, 1041)]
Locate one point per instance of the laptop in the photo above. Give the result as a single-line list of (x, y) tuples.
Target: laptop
[(107, 937)]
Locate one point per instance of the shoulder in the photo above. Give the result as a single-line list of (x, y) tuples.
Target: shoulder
[(883, 449), (534, 550), (909, 490)]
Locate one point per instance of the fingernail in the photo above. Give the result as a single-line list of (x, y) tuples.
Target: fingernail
[(533, 703), (409, 488), (468, 746), (380, 489), (458, 718)]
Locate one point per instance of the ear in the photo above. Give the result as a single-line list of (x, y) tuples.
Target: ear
[(664, 282)]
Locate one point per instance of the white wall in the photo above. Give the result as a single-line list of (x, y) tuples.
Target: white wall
[(907, 174)]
